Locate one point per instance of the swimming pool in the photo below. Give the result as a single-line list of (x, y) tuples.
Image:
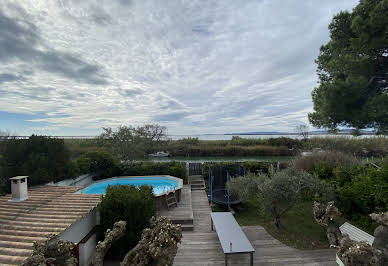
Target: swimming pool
[(160, 184)]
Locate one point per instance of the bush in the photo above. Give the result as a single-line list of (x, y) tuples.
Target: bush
[(127, 203), (43, 159), (367, 193), (100, 163), (279, 191), (322, 164), (365, 147), (154, 168)]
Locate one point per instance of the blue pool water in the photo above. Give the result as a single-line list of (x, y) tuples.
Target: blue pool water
[(159, 184)]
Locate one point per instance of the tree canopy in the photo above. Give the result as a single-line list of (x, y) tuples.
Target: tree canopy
[(353, 70), (127, 142)]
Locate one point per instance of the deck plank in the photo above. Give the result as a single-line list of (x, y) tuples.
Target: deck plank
[(202, 247)]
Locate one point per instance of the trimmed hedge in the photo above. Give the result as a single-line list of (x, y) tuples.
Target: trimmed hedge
[(135, 206), (155, 168)]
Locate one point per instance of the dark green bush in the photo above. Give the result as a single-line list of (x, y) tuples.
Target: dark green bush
[(135, 206), (154, 168), (101, 163), (365, 194), (43, 159)]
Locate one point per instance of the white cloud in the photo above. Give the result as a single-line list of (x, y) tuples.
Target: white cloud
[(195, 66)]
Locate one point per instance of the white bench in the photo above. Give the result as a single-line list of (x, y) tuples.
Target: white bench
[(355, 234), (232, 238)]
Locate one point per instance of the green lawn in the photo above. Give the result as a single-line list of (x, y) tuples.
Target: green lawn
[(299, 229)]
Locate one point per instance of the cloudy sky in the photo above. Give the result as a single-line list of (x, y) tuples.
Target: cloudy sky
[(70, 67)]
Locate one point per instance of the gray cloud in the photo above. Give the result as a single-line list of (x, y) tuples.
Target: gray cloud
[(7, 77), (170, 116), (19, 39), (195, 66)]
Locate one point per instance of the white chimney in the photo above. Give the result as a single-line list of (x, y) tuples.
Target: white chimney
[(19, 188)]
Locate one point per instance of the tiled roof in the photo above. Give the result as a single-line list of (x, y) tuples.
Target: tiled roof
[(48, 210)]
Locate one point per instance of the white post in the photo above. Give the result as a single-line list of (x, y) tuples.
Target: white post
[(187, 169)]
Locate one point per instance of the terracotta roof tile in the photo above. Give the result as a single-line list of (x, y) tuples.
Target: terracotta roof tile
[(48, 210)]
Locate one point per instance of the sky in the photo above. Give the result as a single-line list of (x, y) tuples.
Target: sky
[(195, 66)]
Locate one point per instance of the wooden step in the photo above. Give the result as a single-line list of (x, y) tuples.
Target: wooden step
[(187, 227), (197, 186)]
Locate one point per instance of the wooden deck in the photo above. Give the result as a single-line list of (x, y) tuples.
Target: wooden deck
[(183, 213), (202, 247)]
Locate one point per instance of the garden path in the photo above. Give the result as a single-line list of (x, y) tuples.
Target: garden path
[(201, 246)]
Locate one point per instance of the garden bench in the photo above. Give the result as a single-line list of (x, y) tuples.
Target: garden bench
[(232, 238), (355, 234)]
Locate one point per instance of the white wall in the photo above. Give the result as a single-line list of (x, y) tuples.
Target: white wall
[(77, 231), (86, 250)]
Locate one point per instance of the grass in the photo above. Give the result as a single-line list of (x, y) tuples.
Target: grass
[(298, 227)]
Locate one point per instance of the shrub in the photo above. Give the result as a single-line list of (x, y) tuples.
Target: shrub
[(100, 163), (287, 142), (280, 191), (256, 167), (43, 159), (367, 193), (373, 146), (322, 164), (130, 204), (154, 168)]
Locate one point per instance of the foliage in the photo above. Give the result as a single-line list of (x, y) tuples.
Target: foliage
[(279, 191), (158, 245), (353, 70), (43, 159), (128, 142), (154, 168), (244, 187), (299, 229), (366, 193), (133, 205), (322, 164), (361, 147), (101, 164)]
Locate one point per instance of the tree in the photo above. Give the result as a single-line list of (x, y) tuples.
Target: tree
[(133, 205), (353, 70), (158, 245), (303, 131), (279, 191), (128, 142)]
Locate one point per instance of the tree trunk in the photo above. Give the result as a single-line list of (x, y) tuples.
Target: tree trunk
[(277, 222), (111, 236)]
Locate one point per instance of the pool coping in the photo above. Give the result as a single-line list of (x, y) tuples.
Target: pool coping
[(179, 180)]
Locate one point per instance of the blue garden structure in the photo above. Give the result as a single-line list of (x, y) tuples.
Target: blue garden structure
[(218, 178)]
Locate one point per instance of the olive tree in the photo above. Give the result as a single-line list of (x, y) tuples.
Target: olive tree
[(279, 191)]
